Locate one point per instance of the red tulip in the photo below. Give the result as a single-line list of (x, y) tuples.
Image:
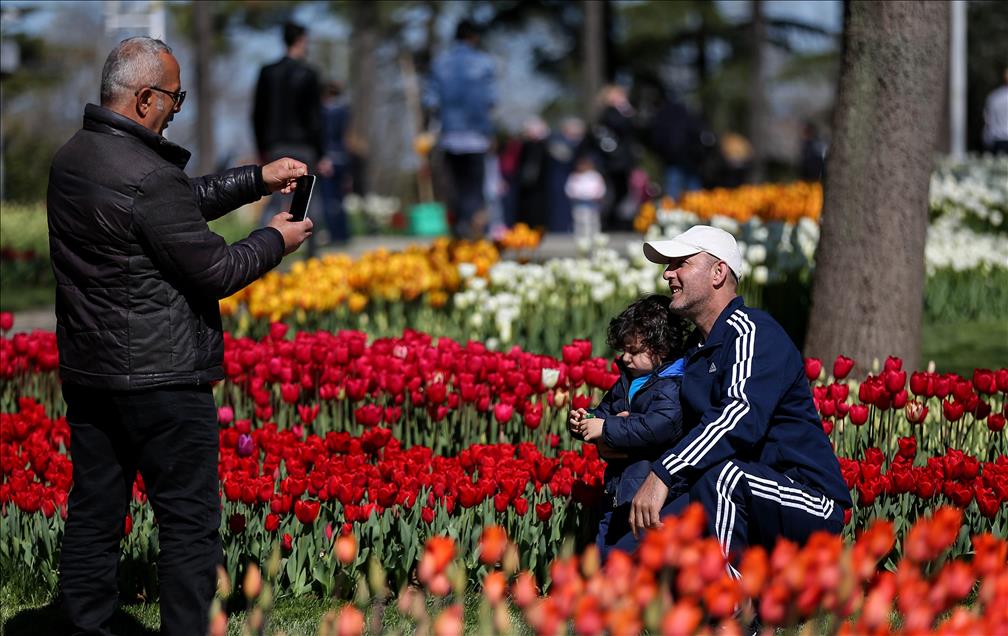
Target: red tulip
[(952, 410), (839, 391), (842, 366), (920, 383), (503, 412), (236, 523), (287, 543), (272, 522), (1001, 379), (6, 321), (571, 354), (984, 381), (813, 367), (858, 414), (225, 415), (996, 422), (544, 511), (894, 380), (277, 330), (306, 511)]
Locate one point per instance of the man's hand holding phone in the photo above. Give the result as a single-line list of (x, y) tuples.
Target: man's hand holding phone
[(280, 175), (294, 232)]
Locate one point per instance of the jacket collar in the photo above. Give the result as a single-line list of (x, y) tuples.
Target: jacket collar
[(103, 120), (719, 329)]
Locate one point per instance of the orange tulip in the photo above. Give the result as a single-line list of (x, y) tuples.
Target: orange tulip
[(494, 587), (493, 542), (524, 590), (346, 548), (681, 619), (350, 621), (722, 597), (449, 621)]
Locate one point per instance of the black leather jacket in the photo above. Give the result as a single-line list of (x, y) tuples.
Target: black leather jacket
[(288, 106), (138, 271)]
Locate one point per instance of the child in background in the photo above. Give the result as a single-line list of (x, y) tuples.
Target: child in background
[(586, 188), (639, 417)]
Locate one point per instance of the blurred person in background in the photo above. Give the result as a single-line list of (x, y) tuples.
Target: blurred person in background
[(813, 154), (461, 93), (586, 190), (533, 195), (614, 138), (676, 136), (995, 131), (563, 148), (736, 160), (287, 112), (139, 275), (334, 166)]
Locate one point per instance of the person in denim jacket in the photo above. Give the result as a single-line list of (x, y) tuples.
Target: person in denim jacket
[(461, 93), (640, 414)]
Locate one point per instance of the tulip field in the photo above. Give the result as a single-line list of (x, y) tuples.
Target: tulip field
[(393, 442), (392, 438)]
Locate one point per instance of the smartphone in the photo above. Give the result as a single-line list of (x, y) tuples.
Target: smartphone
[(302, 197)]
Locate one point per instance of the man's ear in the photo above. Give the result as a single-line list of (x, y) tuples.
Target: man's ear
[(721, 273), (143, 102)]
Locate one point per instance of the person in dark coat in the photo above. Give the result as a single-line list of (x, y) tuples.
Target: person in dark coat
[(139, 275), (676, 138), (639, 415), (334, 167), (615, 145), (533, 193), (287, 112), (563, 148)]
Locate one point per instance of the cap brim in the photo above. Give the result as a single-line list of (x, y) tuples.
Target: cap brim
[(663, 252)]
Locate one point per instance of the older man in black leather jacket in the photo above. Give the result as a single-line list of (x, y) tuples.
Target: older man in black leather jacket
[(139, 275)]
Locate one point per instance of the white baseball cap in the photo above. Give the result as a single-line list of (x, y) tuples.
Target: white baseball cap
[(699, 238)]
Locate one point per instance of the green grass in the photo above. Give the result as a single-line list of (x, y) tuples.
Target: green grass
[(965, 345)]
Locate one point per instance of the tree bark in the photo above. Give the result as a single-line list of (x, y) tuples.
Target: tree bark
[(204, 84), (594, 42), (757, 92), (867, 293), (364, 20)]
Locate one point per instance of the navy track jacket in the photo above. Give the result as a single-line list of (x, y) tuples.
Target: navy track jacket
[(746, 387), (654, 424)]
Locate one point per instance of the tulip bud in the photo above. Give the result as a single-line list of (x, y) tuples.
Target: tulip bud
[(252, 583), (223, 582), (376, 578), (512, 561)]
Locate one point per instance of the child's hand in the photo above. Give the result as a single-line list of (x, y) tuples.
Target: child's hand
[(574, 422), (591, 429)]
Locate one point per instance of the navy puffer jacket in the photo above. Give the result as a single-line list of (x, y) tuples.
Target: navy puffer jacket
[(655, 422)]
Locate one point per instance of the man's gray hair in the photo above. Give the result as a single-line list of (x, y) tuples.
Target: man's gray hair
[(133, 64)]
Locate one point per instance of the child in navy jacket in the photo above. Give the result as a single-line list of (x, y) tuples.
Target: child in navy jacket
[(640, 415)]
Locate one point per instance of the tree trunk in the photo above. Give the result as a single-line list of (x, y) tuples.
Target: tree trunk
[(594, 42), (867, 294), (757, 92), (204, 84), (364, 79)]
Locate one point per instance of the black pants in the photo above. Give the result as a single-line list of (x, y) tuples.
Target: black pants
[(170, 436), (467, 174)]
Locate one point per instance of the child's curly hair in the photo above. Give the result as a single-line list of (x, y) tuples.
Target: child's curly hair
[(650, 319)]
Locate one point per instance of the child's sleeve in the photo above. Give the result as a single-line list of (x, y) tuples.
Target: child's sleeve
[(605, 406), (659, 427)]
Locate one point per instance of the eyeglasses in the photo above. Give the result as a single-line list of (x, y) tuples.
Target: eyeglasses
[(177, 97)]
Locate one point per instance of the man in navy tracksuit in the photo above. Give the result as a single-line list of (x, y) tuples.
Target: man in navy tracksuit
[(757, 458)]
